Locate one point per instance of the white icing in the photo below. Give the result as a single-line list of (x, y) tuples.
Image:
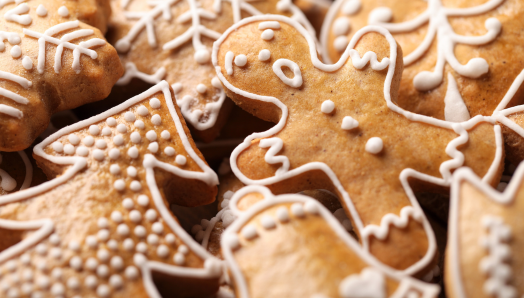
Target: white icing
[(268, 34), (264, 55), (19, 15), (380, 15), (374, 145), (327, 107), (275, 145), (27, 63), (180, 160), (229, 62), (131, 72), (351, 7), (201, 88), (249, 232), (269, 25), (16, 52), (455, 109), (296, 81), (297, 210), (41, 11), (63, 11), (241, 60), (370, 283), (348, 123), (11, 111), (341, 26)]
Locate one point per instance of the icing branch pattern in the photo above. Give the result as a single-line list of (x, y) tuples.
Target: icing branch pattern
[(26, 84), (19, 15), (133, 72), (65, 42), (439, 27)]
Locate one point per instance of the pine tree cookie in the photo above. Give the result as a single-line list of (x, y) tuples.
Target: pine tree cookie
[(338, 129), (292, 246), (102, 226), (172, 40), (460, 56), (484, 254), (50, 61)]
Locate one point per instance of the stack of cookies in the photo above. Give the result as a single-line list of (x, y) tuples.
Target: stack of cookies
[(271, 148)]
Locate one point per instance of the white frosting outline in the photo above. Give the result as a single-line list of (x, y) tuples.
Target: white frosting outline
[(504, 198), (77, 163), (445, 168), (405, 283)]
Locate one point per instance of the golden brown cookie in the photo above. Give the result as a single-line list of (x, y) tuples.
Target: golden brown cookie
[(50, 61), (102, 226), (172, 40), (292, 246), (484, 254), (461, 57), (338, 129)]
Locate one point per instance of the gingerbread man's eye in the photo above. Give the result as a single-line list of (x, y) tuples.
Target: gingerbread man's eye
[(296, 81)]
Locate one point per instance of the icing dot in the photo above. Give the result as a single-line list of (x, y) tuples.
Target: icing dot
[(297, 210), (151, 135), (153, 147), (74, 246), (380, 15), (91, 281), (170, 239), (114, 169), (327, 107), (106, 131), (169, 151), (151, 215), (58, 147), (76, 263), (349, 123), (111, 121), (74, 139), (232, 241), (142, 111), (282, 214), (216, 83), (311, 208), (128, 203), (122, 230), (135, 137), (165, 135), (131, 171), (16, 52), (118, 140), (116, 281), (25, 259), (98, 154), (177, 87), (103, 291), (116, 216), (57, 289), (56, 253), (179, 259), (157, 228), (268, 34), (101, 144), (54, 239), (131, 273), (156, 120), (88, 141), (141, 247), (341, 26), (129, 117), (94, 130), (114, 154), (201, 88), (140, 231), (143, 201), (41, 11), (135, 186), (119, 185), (155, 103), (152, 239), (27, 63), (43, 282), (122, 128), (69, 149), (91, 264), (249, 232), (162, 251), (182, 248), (63, 11), (202, 56), (103, 235), (112, 244), (129, 244), (241, 60), (132, 152), (139, 124), (180, 160), (264, 55), (73, 283), (102, 271), (268, 222), (351, 7), (374, 145), (341, 43), (103, 223), (91, 241)]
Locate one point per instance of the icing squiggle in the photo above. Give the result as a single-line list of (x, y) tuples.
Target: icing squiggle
[(275, 145), (381, 232), (133, 72)]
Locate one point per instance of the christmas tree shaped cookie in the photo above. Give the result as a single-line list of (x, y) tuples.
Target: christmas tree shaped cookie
[(292, 246), (172, 40), (483, 257), (50, 61), (339, 129), (102, 226), (460, 57)]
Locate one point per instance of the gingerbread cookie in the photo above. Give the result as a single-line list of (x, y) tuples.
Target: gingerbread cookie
[(172, 40), (18, 171), (484, 256), (339, 129), (292, 246), (50, 62), (102, 226), (461, 57)]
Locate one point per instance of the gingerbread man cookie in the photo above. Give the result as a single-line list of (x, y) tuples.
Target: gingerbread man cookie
[(50, 62), (292, 246), (483, 257), (172, 40), (102, 226), (339, 129), (460, 56)]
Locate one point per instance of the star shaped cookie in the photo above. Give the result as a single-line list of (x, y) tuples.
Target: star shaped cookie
[(102, 226)]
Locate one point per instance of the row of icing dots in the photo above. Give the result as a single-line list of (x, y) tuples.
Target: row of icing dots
[(342, 25), (20, 14)]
